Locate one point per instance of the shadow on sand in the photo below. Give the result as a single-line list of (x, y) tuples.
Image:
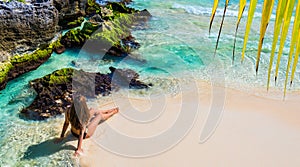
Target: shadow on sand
[(48, 147)]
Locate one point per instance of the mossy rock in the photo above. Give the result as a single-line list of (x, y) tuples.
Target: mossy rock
[(77, 37), (92, 8), (20, 64), (4, 70), (89, 28), (75, 23), (62, 76), (37, 55)]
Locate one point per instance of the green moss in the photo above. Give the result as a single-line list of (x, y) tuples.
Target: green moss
[(118, 18), (61, 76), (77, 37), (4, 70), (93, 7), (115, 30), (91, 2), (76, 23), (89, 28), (55, 44), (37, 55)]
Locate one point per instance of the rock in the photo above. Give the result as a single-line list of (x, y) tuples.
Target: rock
[(54, 91), (60, 49), (69, 11), (27, 62), (74, 23), (126, 46), (25, 26), (96, 19)]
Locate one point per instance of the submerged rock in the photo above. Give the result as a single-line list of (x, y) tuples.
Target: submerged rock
[(54, 91)]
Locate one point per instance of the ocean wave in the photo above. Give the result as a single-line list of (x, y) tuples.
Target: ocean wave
[(206, 11)]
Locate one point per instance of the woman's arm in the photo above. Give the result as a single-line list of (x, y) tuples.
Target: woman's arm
[(66, 124), (65, 127), (79, 150)]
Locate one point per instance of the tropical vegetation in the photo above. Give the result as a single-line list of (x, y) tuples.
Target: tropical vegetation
[(284, 12)]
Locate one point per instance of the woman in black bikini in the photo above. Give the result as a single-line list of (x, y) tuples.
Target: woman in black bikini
[(84, 121)]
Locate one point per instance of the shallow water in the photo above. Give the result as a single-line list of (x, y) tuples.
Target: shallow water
[(175, 46)]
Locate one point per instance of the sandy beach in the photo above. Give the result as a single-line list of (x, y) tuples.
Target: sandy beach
[(253, 131)]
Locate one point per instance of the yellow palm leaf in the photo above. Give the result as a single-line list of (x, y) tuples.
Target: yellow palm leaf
[(213, 12), (286, 23), (278, 22), (266, 14), (251, 11), (296, 58), (241, 11), (221, 26), (294, 41), (297, 21)]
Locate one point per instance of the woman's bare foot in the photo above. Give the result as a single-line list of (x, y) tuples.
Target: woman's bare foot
[(108, 113)]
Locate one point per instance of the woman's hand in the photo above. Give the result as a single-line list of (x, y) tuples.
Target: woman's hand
[(78, 151)]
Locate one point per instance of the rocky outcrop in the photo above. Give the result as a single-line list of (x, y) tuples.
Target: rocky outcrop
[(109, 33), (54, 91), (20, 64), (69, 11), (24, 27), (28, 62)]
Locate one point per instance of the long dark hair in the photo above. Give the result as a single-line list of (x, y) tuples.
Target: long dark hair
[(79, 114)]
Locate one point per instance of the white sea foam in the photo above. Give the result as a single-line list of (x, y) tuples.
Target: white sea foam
[(206, 11)]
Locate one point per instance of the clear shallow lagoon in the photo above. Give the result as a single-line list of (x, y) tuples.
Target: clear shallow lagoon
[(175, 45)]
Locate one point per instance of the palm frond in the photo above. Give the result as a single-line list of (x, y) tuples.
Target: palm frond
[(221, 26), (295, 39), (241, 11), (284, 12), (266, 13), (213, 12), (296, 57), (286, 23), (278, 22), (251, 11)]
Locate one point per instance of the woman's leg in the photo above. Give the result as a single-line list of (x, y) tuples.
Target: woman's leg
[(100, 115)]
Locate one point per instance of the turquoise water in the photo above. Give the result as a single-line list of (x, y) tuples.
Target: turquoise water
[(175, 45)]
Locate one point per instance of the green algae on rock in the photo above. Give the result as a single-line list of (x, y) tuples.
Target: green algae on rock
[(4, 70), (20, 64), (55, 90)]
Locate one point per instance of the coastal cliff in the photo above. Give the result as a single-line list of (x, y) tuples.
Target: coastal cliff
[(26, 26)]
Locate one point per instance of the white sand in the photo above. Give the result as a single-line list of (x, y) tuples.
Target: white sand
[(253, 131)]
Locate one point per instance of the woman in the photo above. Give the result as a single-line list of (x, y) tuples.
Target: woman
[(84, 121)]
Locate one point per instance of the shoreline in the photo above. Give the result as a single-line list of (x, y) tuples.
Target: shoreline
[(253, 130)]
